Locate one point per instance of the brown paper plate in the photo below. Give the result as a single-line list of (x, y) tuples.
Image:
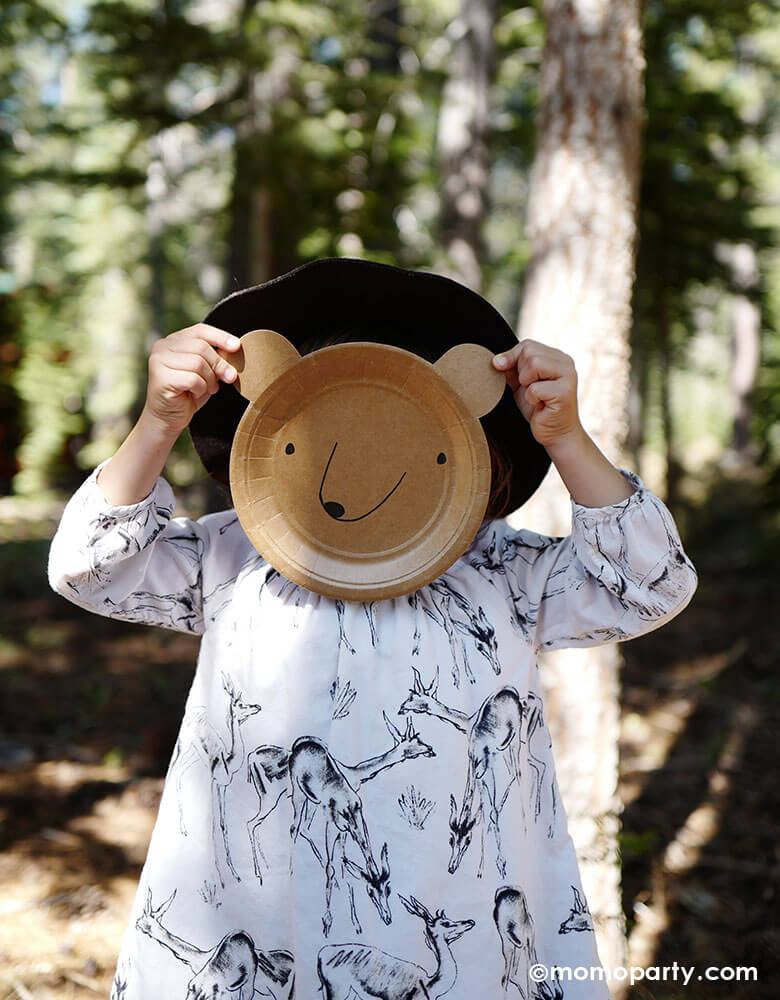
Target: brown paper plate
[(359, 472)]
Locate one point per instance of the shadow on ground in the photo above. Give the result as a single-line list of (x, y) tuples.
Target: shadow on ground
[(90, 709), (701, 724), (89, 714)]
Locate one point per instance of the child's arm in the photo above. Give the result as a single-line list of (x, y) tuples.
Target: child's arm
[(184, 371), (622, 571), (118, 550), (544, 383)]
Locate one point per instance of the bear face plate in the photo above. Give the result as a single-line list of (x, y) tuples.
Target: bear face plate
[(361, 472)]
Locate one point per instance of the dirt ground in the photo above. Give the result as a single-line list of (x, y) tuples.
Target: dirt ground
[(89, 710)]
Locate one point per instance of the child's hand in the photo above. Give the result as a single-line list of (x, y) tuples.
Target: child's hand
[(544, 383), (184, 371)]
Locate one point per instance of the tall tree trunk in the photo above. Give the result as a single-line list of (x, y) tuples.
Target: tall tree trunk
[(250, 259), (582, 227), (663, 332), (464, 122), (384, 32), (639, 386), (258, 250), (251, 249), (637, 399), (745, 351)]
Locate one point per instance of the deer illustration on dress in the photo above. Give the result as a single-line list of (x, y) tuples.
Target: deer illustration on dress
[(534, 729), (473, 624), (515, 927), (200, 742), (361, 971), (318, 783), (579, 918), (181, 609), (525, 547), (234, 970), (493, 730), (119, 985), (108, 526), (534, 736), (343, 640)]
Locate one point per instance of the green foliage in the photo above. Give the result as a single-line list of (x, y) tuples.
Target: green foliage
[(637, 845), (697, 187), (710, 98), (171, 152)]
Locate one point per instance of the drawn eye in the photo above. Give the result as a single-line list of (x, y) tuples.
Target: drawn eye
[(290, 448), (441, 458)]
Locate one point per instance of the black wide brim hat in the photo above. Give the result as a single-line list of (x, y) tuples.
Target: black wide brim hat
[(420, 312)]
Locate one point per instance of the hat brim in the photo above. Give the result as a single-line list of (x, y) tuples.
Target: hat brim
[(418, 311)]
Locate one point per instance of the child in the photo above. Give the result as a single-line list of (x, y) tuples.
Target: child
[(362, 799)]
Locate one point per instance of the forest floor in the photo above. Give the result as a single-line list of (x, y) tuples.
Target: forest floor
[(90, 708)]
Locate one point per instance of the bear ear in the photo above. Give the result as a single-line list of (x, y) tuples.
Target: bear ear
[(469, 370), (263, 355)]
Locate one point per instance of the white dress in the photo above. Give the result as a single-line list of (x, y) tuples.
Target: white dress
[(362, 799)]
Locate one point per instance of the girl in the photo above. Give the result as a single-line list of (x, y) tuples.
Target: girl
[(362, 799)]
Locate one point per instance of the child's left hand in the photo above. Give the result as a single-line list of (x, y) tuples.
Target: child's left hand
[(544, 382)]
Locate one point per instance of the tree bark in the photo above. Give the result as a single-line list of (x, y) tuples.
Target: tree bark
[(663, 330), (250, 253), (745, 351), (462, 141), (384, 32), (637, 396), (258, 249), (582, 227)]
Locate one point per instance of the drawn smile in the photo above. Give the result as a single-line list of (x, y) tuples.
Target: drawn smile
[(336, 510)]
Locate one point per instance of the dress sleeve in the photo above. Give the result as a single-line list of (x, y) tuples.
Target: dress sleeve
[(620, 573), (135, 561)]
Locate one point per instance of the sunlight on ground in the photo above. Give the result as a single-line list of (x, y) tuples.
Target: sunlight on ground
[(60, 929)]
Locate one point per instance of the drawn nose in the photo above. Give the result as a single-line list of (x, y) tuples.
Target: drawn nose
[(334, 509)]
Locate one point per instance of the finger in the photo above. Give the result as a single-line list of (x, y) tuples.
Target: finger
[(507, 359), (539, 396), (185, 380), (187, 361), (224, 370), (214, 336), (546, 390), (526, 408), (195, 346), (537, 362), (529, 357), (506, 363)]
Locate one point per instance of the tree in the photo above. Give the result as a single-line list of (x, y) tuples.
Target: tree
[(464, 124), (709, 94), (582, 228), (197, 148)]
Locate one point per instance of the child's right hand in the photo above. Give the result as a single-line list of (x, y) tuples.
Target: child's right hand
[(185, 371)]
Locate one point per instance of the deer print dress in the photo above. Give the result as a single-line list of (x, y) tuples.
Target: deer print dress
[(362, 798)]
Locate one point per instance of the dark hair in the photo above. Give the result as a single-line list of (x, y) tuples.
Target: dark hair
[(499, 504)]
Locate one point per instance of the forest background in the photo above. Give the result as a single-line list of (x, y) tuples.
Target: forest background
[(155, 156)]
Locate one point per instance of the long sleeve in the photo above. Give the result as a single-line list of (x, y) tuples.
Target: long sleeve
[(135, 562), (620, 573)]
